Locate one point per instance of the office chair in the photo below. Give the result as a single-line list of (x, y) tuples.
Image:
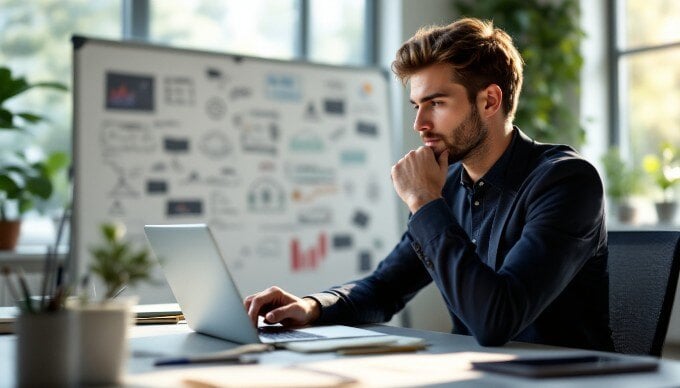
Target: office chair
[(643, 276)]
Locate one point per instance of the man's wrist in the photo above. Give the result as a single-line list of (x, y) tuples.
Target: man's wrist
[(313, 308)]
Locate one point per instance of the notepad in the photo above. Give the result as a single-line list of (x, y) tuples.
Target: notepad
[(157, 310)]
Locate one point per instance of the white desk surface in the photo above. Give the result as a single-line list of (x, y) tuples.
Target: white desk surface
[(150, 342)]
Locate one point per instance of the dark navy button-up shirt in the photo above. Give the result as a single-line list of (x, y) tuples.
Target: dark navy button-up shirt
[(519, 255), (474, 205)]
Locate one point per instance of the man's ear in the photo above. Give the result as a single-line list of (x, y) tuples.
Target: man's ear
[(490, 100)]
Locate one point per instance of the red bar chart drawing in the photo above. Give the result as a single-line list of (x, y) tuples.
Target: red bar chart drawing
[(310, 258)]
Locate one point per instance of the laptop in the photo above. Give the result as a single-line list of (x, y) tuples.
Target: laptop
[(205, 290)]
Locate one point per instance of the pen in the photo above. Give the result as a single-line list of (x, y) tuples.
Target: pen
[(381, 349), (237, 359), (237, 355)]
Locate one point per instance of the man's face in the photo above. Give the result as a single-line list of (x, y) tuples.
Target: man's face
[(445, 118)]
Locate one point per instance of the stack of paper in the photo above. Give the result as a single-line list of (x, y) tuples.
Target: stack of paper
[(7, 317)]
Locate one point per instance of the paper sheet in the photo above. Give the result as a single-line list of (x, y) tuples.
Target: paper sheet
[(407, 370), (239, 376)]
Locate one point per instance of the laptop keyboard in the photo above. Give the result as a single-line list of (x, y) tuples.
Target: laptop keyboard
[(279, 333)]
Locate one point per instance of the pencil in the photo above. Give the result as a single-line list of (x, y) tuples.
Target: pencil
[(24, 287), (46, 277)]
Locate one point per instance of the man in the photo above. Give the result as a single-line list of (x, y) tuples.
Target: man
[(511, 231)]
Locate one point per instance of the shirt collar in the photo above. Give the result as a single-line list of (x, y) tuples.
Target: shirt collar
[(496, 173)]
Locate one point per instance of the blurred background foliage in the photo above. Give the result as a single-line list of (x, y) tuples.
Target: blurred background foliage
[(548, 36)]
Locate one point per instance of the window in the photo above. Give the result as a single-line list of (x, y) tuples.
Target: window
[(264, 28), (35, 43), (334, 32), (337, 30), (646, 76)]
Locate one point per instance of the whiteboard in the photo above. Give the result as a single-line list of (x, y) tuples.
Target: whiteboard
[(288, 162)]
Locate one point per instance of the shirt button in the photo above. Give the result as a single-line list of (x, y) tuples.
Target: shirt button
[(476, 203), (481, 183), (474, 241)]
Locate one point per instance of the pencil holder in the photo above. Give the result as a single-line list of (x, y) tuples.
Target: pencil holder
[(47, 348)]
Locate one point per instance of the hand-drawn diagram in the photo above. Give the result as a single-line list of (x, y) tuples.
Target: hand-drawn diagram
[(126, 137), (266, 195), (122, 187), (216, 145), (179, 91)]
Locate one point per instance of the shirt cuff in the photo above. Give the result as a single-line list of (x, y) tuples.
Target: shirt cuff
[(326, 301), (431, 220)]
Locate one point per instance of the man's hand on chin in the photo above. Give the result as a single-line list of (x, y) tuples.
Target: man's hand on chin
[(419, 177)]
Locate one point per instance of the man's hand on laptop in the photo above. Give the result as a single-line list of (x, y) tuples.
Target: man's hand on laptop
[(279, 306)]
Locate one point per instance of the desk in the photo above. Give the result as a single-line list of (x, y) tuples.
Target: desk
[(150, 342)]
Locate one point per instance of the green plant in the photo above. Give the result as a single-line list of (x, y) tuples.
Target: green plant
[(24, 180), (664, 170), (548, 36), (622, 180), (116, 263)]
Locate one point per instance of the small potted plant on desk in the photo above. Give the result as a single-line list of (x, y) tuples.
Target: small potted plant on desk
[(665, 171), (104, 322), (23, 180), (623, 181)]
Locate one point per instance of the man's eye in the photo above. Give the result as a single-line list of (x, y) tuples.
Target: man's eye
[(436, 103), (415, 107)]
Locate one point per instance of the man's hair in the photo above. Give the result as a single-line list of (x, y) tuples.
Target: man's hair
[(479, 54)]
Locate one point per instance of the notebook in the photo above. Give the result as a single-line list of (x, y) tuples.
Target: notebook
[(210, 301)]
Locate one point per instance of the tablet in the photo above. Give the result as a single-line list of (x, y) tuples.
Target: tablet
[(576, 365)]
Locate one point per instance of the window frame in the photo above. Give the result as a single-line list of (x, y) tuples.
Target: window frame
[(616, 55)]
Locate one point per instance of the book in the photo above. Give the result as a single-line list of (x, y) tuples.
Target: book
[(7, 317), (145, 314)]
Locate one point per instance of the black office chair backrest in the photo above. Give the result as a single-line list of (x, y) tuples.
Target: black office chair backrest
[(643, 276)]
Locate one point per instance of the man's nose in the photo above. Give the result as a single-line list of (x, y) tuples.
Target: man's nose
[(422, 122)]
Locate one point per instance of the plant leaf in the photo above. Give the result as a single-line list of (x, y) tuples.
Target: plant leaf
[(39, 186), (55, 162), (31, 117)]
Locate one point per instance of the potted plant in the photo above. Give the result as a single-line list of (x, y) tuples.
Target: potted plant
[(665, 172), (116, 263), (623, 181), (104, 322), (24, 180)]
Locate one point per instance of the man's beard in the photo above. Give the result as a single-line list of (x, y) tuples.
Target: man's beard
[(466, 138)]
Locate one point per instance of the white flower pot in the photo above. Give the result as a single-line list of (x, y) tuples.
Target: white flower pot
[(103, 340)]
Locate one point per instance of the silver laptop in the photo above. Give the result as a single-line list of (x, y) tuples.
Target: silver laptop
[(206, 292)]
